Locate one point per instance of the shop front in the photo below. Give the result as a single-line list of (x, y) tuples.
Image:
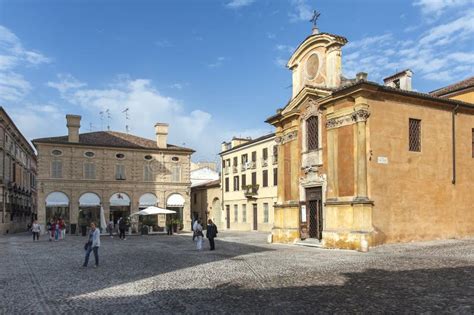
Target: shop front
[(89, 211), (119, 207), (157, 222), (176, 202), (57, 207)]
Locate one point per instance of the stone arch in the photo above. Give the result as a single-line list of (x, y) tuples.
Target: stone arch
[(57, 198), (147, 199), (89, 199), (120, 199), (216, 213)]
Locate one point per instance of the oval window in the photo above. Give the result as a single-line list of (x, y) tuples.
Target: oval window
[(56, 152), (89, 154), (120, 155), (175, 158), (148, 157)]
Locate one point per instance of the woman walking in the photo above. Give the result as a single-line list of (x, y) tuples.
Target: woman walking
[(35, 228), (199, 235), (92, 245)]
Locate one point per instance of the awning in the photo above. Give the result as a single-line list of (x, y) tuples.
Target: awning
[(147, 200), (89, 200), (57, 199), (119, 199), (175, 200), (153, 211)]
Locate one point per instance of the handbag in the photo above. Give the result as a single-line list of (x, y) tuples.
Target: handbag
[(87, 245)]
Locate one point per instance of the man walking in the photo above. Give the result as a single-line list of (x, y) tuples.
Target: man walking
[(93, 245), (36, 229), (211, 233)]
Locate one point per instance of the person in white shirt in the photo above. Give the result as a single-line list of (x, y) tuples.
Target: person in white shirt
[(199, 235), (36, 229)]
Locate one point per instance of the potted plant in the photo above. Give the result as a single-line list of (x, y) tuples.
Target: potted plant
[(176, 223)]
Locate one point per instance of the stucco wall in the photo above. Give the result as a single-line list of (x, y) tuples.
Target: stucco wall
[(413, 194)]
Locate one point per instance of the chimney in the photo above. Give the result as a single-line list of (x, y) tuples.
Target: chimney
[(225, 146), (361, 76), (73, 125), (400, 80), (161, 131)]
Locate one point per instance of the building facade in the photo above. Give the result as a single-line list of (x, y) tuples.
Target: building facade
[(18, 205), (81, 173), (249, 183), (364, 163), (206, 202)]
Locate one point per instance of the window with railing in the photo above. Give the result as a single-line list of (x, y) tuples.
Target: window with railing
[(414, 135)]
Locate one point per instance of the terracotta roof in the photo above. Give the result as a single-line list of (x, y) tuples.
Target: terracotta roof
[(111, 139), (461, 85), (214, 183)]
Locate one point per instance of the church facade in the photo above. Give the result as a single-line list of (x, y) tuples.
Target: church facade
[(363, 163)]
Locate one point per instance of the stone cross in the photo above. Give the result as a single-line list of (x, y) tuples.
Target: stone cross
[(315, 17)]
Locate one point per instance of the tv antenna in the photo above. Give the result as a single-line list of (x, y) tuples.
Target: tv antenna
[(101, 120), (109, 117), (91, 127), (127, 118)]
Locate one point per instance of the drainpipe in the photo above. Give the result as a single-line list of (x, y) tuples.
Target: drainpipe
[(453, 133)]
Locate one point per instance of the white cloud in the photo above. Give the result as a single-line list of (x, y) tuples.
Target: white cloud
[(437, 7), (237, 4), (443, 52), (217, 63), (281, 62), (66, 82), (285, 48), (163, 43), (13, 56), (302, 11)]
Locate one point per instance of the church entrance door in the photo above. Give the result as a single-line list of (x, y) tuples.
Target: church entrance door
[(314, 204)]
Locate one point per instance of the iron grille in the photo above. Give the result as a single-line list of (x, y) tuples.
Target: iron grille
[(414, 136), (312, 133), (314, 219)]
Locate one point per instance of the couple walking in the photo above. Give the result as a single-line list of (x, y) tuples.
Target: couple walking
[(211, 233)]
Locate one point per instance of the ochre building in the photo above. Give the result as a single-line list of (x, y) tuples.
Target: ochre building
[(18, 197), (363, 163), (81, 173)]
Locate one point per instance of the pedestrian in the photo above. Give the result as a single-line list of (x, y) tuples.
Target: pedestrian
[(35, 228), (62, 226), (199, 235), (57, 230), (211, 233), (122, 228), (110, 227), (194, 228), (49, 227), (92, 245)]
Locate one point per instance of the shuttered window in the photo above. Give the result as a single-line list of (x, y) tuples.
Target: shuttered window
[(265, 154), (244, 181), (265, 213), (227, 184), (236, 213), (236, 183), (312, 133), (254, 156), (89, 170), (244, 213), (176, 174), (275, 177), (265, 178), (147, 173), (120, 172), (414, 135), (56, 169), (254, 178)]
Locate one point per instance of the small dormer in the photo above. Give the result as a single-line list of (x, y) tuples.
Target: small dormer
[(400, 80)]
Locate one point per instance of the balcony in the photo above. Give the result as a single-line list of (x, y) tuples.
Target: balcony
[(243, 166), (275, 159), (235, 169), (250, 191), (264, 162), (226, 170), (251, 165)]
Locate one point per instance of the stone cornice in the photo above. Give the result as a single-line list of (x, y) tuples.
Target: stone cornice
[(360, 115)]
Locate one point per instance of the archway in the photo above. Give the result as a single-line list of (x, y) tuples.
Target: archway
[(154, 221), (216, 212), (176, 202), (119, 206), (89, 210), (57, 206)]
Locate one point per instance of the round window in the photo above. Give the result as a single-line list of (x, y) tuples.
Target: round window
[(89, 154), (175, 158), (148, 157), (56, 152), (120, 155)]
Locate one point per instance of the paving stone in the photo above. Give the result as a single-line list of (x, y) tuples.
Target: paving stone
[(165, 274)]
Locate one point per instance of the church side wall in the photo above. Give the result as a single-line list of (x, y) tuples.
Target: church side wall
[(414, 198)]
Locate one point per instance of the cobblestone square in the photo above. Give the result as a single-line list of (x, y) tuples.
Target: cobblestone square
[(165, 274)]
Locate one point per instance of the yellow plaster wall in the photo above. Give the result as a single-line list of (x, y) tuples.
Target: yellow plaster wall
[(413, 194)]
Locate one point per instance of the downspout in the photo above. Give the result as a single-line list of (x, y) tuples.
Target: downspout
[(453, 133)]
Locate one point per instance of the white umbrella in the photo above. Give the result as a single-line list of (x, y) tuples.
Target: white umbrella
[(154, 211), (103, 223)]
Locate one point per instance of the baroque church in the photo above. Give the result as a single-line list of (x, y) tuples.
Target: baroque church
[(365, 164)]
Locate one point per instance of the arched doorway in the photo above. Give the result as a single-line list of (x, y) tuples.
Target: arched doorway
[(155, 221), (89, 210), (216, 212), (176, 202), (119, 206), (57, 207)]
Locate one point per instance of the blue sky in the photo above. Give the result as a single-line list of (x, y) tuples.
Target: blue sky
[(211, 69)]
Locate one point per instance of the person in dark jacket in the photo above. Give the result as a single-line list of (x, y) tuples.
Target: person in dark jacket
[(211, 233), (122, 228)]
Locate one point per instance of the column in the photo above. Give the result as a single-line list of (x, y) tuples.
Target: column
[(332, 192), (361, 117)]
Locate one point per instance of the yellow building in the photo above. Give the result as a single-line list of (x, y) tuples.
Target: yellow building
[(249, 183), (362, 163), (461, 91), (81, 173)]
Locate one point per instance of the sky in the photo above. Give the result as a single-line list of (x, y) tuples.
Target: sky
[(211, 69)]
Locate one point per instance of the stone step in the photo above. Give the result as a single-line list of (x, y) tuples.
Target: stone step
[(310, 243)]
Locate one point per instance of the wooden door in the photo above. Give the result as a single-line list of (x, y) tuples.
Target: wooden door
[(255, 217), (314, 205), (227, 213)]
